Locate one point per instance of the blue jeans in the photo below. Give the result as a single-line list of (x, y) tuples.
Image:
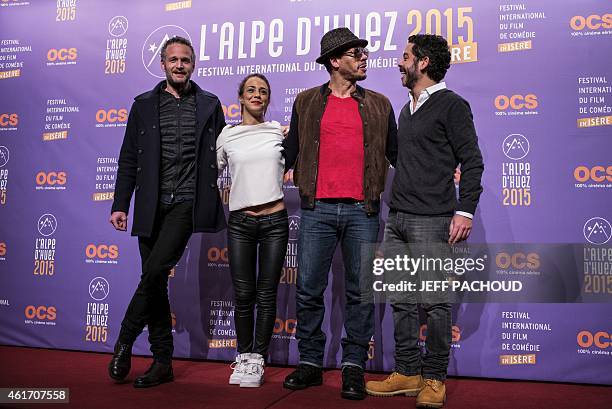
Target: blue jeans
[(321, 229), (408, 228)]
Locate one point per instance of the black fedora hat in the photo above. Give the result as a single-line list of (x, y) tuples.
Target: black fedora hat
[(338, 39)]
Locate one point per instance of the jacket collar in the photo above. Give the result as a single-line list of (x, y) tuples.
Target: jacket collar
[(155, 92), (359, 91), (205, 104)]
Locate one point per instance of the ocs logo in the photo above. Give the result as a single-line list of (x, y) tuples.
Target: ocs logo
[(153, 45), (98, 288), (112, 115), (455, 331), (231, 111), (515, 146), (47, 223), (102, 251), (518, 260), (118, 26), (294, 227), (9, 120), (42, 312), (592, 22), (596, 174), (597, 230), (51, 178), (601, 339), (529, 101), (285, 327), (62, 54), (4, 156), (216, 254)]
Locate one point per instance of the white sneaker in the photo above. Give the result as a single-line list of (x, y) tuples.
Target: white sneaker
[(238, 366), (254, 372)]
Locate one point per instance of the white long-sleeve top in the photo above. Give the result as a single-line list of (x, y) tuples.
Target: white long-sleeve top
[(256, 163)]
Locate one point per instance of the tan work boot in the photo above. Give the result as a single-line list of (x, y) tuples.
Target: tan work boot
[(396, 384), (432, 395)]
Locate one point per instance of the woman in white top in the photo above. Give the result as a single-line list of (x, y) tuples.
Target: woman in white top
[(258, 228)]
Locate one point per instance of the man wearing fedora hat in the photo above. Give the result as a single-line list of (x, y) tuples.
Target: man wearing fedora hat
[(341, 140)]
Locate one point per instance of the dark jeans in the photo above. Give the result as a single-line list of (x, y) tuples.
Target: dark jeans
[(321, 229), (159, 253), (254, 240), (408, 228)]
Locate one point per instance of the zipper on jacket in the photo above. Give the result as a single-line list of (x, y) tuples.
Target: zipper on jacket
[(179, 150)]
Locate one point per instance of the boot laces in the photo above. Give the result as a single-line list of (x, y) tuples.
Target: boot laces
[(433, 384)]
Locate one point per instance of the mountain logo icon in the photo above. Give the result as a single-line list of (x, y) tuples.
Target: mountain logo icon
[(515, 146), (47, 223), (294, 227), (118, 26), (597, 230), (98, 288)]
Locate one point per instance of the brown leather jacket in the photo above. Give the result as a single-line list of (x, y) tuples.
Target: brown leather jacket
[(379, 141)]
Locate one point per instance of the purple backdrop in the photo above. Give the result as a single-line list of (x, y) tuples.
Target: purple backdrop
[(536, 74)]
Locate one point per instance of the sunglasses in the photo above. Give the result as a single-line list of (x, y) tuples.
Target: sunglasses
[(357, 52)]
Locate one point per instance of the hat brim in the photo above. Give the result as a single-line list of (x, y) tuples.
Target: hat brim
[(349, 44)]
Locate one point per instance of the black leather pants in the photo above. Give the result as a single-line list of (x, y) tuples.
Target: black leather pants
[(256, 241)]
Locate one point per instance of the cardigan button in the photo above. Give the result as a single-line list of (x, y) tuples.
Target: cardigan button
[(139, 151), (142, 132), (212, 148), (210, 130), (213, 166), (213, 185), (137, 188), (138, 169)]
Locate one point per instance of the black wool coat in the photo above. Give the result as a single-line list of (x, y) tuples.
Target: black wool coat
[(140, 157)]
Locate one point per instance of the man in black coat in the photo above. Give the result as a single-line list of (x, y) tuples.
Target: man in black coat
[(168, 159)]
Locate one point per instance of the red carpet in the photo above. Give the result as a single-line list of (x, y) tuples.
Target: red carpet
[(201, 384)]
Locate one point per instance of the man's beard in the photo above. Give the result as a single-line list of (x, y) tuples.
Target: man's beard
[(410, 76), (177, 85)]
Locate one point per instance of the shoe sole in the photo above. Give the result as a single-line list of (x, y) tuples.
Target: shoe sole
[(407, 392), (300, 387), (234, 381), (251, 384), (353, 396), (429, 405), (154, 384), (117, 378)]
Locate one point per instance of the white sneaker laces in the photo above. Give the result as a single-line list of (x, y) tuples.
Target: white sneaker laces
[(254, 366)]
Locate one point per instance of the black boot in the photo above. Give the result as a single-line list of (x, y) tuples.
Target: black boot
[(303, 377), (353, 385), (119, 366), (157, 374)]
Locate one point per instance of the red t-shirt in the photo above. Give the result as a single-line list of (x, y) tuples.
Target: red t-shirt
[(341, 154)]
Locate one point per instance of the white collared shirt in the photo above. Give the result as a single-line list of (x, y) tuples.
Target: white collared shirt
[(423, 97)]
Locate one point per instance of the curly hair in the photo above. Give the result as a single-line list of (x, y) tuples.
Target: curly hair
[(434, 47), (177, 40)]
